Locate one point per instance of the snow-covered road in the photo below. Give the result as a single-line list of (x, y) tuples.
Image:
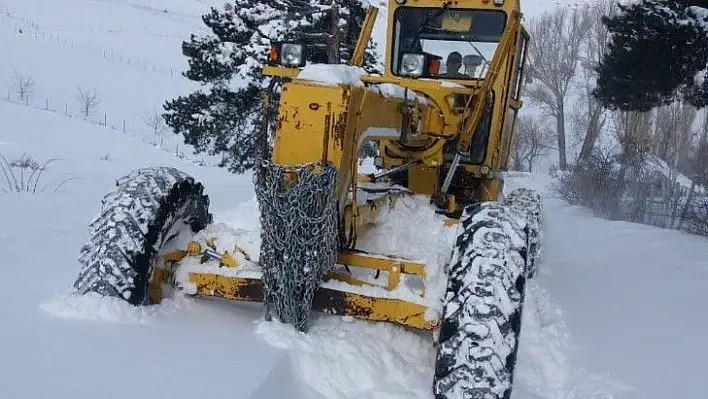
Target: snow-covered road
[(634, 298)]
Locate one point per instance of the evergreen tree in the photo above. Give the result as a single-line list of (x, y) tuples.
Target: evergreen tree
[(224, 117), (658, 54)]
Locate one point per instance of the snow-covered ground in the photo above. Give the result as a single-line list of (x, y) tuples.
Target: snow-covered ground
[(615, 313)]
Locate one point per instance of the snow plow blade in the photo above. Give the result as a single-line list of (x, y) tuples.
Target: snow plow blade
[(326, 299)]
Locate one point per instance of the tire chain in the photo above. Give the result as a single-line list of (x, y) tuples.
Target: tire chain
[(299, 236)]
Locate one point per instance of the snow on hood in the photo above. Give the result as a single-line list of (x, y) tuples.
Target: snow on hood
[(332, 74)]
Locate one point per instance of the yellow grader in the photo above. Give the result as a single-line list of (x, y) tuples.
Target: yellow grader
[(442, 117)]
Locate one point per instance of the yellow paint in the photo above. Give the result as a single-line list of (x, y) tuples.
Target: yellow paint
[(394, 266), (160, 276), (228, 261), (423, 180), (326, 300), (177, 256), (357, 58), (318, 123), (378, 262), (282, 72), (193, 248), (241, 289)]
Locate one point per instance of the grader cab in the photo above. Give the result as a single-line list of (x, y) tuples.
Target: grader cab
[(442, 117)]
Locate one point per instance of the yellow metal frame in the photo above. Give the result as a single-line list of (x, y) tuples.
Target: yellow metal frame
[(329, 123), (328, 300)]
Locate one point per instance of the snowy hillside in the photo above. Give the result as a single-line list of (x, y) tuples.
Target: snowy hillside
[(615, 313)]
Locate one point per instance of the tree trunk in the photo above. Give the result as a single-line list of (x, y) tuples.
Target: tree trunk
[(560, 131), (334, 39), (592, 132), (517, 164)]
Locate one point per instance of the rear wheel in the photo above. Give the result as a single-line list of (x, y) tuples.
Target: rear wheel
[(528, 203), (148, 208), (478, 339)]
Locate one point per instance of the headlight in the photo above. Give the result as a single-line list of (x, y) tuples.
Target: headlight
[(287, 54), (291, 54), (412, 64)]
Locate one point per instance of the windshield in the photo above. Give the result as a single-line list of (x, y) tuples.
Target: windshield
[(462, 40)]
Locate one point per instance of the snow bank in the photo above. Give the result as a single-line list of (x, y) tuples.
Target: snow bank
[(545, 364), (344, 358), (654, 164), (94, 307), (412, 229)]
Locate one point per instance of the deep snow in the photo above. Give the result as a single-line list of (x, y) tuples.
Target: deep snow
[(631, 310), (615, 313)]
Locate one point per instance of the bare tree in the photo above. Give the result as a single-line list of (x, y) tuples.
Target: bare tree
[(673, 133), (633, 130), (22, 86), (701, 163), (88, 101), (156, 123), (593, 115), (533, 140), (695, 213), (553, 62)]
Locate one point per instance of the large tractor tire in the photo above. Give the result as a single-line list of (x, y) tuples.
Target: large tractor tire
[(148, 208), (479, 335), (528, 202)]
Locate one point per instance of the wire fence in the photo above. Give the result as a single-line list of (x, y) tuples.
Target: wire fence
[(30, 28), (147, 130)]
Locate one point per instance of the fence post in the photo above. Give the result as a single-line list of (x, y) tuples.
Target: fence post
[(66, 109), (123, 126), (105, 119), (46, 104)]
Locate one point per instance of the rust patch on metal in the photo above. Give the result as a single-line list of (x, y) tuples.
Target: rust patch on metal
[(325, 300), (325, 134), (253, 290), (340, 126), (330, 301)]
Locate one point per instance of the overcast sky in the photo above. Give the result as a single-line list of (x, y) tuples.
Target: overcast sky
[(534, 8)]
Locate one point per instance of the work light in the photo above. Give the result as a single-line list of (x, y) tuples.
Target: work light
[(412, 64)]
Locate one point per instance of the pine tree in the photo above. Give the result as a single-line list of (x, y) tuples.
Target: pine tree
[(224, 117), (658, 54)]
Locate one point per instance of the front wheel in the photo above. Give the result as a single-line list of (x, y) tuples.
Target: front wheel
[(479, 335), (528, 202), (148, 208)]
